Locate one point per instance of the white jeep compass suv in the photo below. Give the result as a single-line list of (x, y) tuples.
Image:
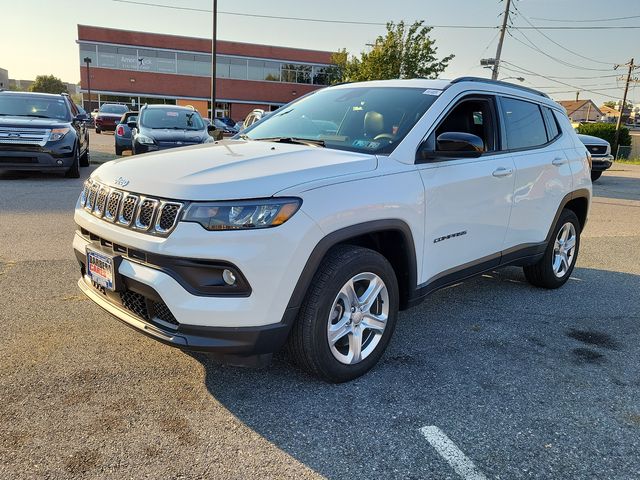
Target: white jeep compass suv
[(321, 221)]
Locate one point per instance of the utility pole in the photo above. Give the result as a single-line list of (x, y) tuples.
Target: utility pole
[(624, 103), (213, 61), (87, 60), (496, 66)]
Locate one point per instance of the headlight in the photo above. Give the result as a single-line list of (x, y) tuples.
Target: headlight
[(608, 149), (144, 140), (57, 134), (242, 215)]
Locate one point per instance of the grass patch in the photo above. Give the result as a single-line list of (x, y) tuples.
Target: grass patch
[(628, 161)]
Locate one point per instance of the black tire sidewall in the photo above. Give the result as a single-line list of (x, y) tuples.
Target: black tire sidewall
[(595, 175), (74, 169), (330, 367)]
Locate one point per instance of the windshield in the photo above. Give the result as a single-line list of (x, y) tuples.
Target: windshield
[(178, 119), (33, 106), (120, 109), (359, 119)]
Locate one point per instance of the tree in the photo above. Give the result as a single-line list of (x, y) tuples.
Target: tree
[(404, 52), (48, 84)]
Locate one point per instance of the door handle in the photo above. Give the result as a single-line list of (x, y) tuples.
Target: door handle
[(502, 172), (559, 161)]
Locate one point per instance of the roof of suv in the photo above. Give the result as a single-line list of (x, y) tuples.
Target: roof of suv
[(38, 94)]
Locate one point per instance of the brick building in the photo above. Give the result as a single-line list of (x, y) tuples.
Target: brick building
[(137, 68)]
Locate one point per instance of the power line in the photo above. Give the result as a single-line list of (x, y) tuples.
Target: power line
[(556, 43), (535, 48), (530, 72), (354, 22), (593, 20)]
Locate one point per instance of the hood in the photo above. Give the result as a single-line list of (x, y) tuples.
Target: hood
[(110, 115), (590, 140), (230, 169), (166, 135), (32, 122)]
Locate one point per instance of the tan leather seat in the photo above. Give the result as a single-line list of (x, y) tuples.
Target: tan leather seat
[(373, 124)]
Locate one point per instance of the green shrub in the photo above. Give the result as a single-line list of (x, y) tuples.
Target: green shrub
[(606, 131)]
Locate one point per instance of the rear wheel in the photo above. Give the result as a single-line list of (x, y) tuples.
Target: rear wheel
[(98, 130), (555, 268), (118, 151), (595, 175), (74, 169), (348, 315)]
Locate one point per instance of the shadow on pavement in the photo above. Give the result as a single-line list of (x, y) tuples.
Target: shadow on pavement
[(501, 367), (621, 188)]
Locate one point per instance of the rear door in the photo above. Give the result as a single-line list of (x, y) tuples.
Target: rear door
[(468, 200), (543, 175)]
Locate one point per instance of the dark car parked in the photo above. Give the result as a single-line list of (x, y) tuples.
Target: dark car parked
[(109, 115), (123, 132), (159, 127), (42, 132)]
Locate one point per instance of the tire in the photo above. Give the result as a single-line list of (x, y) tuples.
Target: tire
[(98, 130), (118, 151), (595, 175), (309, 343), (85, 159), (74, 169), (545, 273)]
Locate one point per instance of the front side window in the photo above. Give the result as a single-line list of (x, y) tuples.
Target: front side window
[(173, 119), (474, 116), (34, 106), (524, 124), (360, 119)]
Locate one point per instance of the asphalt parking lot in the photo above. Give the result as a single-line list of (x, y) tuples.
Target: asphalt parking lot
[(527, 383)]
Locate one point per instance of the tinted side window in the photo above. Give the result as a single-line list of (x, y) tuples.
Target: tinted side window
[(524, 124), (553, 130), (473, 116)]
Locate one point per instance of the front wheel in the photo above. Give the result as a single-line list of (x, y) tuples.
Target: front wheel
[(74, 169), (555, 268), (595, 175), (348, 315), (98, 130)]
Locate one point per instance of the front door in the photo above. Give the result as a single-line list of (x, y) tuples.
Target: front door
[(468, 200)]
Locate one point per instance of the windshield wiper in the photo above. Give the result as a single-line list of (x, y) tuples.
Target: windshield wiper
[(293, 140)]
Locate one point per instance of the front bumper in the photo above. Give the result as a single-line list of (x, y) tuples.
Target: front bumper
[(271, 260), (235, 341), (56, 156), (600, 164)]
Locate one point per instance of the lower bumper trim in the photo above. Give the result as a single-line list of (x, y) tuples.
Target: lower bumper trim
[(242, 341)]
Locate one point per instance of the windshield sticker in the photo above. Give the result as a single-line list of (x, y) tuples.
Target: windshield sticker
[(172, 114), (366, 144), (431, 91)]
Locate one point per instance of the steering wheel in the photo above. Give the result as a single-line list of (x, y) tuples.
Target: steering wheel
[(385, 136)]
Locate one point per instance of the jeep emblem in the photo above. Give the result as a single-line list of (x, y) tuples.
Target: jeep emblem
[(121, 181)]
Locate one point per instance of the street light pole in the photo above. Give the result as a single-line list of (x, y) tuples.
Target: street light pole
[(87, 60), (213, 61)]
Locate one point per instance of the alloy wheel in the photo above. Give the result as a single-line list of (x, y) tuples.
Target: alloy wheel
[(564, 250)]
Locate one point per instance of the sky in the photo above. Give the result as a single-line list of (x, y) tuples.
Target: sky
[(38, 36)]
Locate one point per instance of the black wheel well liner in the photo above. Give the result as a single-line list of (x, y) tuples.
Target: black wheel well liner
[(391, 238)]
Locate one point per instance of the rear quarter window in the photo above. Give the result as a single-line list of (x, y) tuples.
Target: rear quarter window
[(524, 124)]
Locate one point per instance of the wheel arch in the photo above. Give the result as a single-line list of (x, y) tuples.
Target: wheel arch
[(391, 238)]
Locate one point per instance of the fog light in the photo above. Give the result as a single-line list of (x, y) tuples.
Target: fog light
[(59, 162), (229, 277)]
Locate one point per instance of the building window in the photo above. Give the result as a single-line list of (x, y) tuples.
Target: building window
[(166, 62), (272, 71), (238, 68), (88, 50), (255, 70), (126, 58), (107, 56), (222, 67)]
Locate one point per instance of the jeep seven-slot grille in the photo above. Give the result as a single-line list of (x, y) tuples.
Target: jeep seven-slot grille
[(146, 214)]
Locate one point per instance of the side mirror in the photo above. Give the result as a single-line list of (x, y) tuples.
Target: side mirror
[(214, 132), (81, 117), (453, 145)]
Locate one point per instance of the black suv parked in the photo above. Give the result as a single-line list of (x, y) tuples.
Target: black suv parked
[(42, 131)]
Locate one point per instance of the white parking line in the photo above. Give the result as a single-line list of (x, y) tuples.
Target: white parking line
[(452, 454)]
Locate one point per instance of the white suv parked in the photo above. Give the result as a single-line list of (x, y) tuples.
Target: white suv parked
[(314, 227)]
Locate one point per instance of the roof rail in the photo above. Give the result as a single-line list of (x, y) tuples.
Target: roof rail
[(501, 83)]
